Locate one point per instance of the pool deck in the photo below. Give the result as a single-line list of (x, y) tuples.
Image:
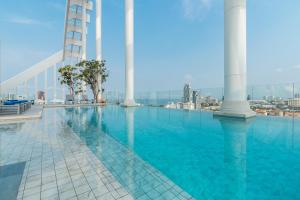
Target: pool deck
[(60, 166), (36, 112), (72, 105)]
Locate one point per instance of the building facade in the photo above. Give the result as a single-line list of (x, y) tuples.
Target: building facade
[(187, 93)]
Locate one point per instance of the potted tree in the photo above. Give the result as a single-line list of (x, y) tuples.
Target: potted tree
[(91, 72), (69, 78)]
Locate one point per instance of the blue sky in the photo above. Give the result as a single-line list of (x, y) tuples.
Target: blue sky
[(177, 41)]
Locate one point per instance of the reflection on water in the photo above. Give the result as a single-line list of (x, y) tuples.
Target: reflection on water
[(210, 158), (129, 112), (134, 174), (130, 126), (235, 150)]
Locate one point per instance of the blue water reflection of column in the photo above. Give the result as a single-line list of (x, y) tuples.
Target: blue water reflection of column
[(235, 151), (130, 126), (129, 112)]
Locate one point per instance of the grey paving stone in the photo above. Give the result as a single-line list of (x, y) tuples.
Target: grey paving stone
[(67, 194)]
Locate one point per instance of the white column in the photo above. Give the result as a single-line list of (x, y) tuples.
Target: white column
[(62, 86), (26, 90), (36, 87), (63, 92), (83, 36), (46, 85), (99, 30), (129, 43), (235, 70), (54, 82), (99, 41), (16, 93)]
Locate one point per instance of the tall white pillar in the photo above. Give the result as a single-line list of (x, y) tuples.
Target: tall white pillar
[(46, 85), (36, 88), (83, 39), (129, 43), (84, 31), (99, 41), (99, 30), (54, 82), (63, 92), (16, 93), (26, 90), (235, 70)]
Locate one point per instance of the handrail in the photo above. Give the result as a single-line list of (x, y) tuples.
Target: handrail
[(31, 72)]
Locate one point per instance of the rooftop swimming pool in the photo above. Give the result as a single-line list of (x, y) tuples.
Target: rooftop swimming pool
[(209, 158)]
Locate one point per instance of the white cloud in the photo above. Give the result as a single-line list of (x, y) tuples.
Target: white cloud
[(27, 21), (196, 9), (24, 20)]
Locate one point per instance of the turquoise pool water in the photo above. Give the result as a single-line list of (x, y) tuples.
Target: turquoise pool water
[(210, 158)]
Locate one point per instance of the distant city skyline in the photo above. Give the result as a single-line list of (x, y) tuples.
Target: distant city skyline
[(177, 41)]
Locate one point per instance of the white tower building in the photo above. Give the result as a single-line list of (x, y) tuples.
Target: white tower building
[(75, 37), (129, 43), (76, 28), (235, 70)]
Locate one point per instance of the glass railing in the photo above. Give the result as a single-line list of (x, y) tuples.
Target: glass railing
[(276, 99)]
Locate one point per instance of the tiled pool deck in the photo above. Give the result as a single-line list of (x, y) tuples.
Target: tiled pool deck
[(60, 166)]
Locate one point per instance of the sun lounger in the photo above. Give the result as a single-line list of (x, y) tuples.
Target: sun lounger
[(10, 107)]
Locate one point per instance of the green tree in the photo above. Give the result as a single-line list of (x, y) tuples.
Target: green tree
[(92, 72), (68, 77)]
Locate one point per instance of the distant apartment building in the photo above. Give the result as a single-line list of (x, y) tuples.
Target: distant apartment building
[(187, 93), (211, 100), (195, 96), (188, 106), (295, 103), (172, 105), (272, 98), (192, 100)]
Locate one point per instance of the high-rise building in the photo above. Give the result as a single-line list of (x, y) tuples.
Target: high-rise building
[(195, 95), (187, 93), (199, 101)]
